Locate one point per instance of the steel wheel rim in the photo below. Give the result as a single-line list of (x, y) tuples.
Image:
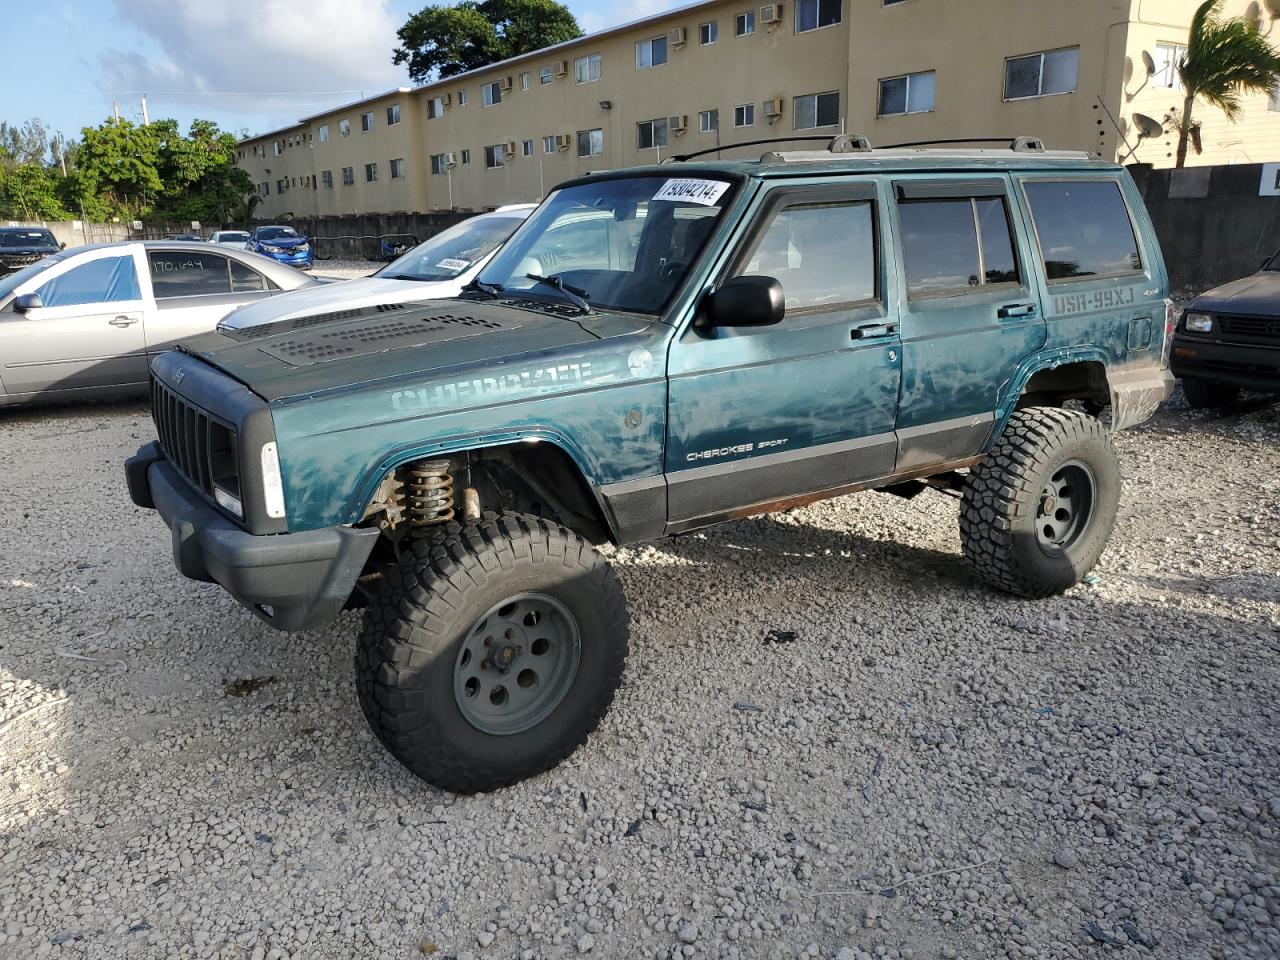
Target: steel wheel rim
[(516, 663), (1065, 507)]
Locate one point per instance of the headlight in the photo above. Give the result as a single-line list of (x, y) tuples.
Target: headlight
[(272, 248), (272, 485), (1199, 323), (303, 247)]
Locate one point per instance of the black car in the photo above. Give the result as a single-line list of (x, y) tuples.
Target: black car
[(1228, 340), (21, 246)]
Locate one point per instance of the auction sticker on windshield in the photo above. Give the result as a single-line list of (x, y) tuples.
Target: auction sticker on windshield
[(451, 264), (705, 192)]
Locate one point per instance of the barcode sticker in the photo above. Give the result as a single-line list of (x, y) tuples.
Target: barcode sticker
[(455, 265), (704, 192)]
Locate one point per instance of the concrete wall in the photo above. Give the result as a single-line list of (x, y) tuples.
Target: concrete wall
[(1213, 226), (358, 237)]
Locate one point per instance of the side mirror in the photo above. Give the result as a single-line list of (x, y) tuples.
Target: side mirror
[(28, 301), (747, 302), (62, 246)]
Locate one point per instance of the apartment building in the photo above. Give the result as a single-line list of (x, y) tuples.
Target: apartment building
[(728, 71)]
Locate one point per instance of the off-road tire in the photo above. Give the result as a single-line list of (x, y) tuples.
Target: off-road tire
[(1002, 496), (420, 615), (1207, 395)]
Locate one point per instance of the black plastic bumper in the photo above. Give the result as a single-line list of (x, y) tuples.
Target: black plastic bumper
[(1251, 367), (292, 581)]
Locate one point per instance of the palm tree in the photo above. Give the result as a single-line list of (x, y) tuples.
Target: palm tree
[(1224, 58)]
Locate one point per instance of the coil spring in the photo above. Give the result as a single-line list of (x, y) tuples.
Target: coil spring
[(428, 493)]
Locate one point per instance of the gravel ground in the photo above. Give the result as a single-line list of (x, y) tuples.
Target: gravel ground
[(831, 742), (345, 269)]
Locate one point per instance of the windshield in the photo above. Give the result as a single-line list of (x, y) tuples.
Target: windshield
[(231, 237), (622, 244), (275, 233), (27, 238), (453, 251)]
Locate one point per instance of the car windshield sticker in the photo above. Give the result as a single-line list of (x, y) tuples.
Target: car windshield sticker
[(704, 192), (456, 266)]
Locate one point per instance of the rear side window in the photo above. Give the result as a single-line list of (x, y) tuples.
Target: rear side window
[(182, 274), (245, 280), (109, 280), (823, 254), (1083, 228), (955, 245)]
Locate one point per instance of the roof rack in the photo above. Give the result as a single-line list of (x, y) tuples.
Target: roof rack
[(1016, 144), (841, 143)]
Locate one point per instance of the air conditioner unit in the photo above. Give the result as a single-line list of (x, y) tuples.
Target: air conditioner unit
[(510, 148), (676, 36), (773, 108), (560, 68), (446, 99), (564, 141), (450, 160), (771, 13), (505, 84), (678, 125)]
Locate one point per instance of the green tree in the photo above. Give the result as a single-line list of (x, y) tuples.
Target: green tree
[(444, 41), (22, 144), (1225, 57), (30, 192), (120, 163)]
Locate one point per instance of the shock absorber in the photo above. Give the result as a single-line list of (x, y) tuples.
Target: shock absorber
[(428, 494)]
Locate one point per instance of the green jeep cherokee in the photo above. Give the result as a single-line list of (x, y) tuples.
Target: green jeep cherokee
[(655, 350)]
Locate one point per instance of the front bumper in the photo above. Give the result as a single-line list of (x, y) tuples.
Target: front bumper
[(1249, 366), (292, 581), (304, 260)]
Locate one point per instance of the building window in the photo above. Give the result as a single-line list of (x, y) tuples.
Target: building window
[(366, 122), (912, 93), (651, 133), (708, 32), (744, 115), (276, 145), (526, 148), (548, 144), (526, 79), (371, 172), (544, 74), (590, 143), (816, 14), (709, 121), (463, 97), (348, 176), (393, 114), (324, 133), (264, 188), (744, 24), (817, 110), (435, 108), (587, 69), (326, 178), (344, 128), (1041, 74), (651, 53), (466, 156), (495, 156), (439, 164), (492, 93), (397, 169), (1168, 56)]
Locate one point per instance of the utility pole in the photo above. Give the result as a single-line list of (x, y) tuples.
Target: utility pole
[(62, 154), (115, 110), (145, 119)]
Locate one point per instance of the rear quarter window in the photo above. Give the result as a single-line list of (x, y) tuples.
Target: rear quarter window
[(1083, 228)]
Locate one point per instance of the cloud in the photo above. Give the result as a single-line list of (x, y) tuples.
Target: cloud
[(255, 56)]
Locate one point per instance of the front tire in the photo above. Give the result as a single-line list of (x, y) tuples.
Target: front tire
[(1038, 509), (491, 653), (1207, 395)]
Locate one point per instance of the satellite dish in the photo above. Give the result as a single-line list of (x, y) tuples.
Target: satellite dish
[(1273, 8), (1148, 126), (1149, 61)]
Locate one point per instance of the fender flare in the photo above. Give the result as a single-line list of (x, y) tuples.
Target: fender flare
[(1029, 367)]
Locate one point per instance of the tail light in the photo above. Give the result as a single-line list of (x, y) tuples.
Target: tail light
[(1170, 321)]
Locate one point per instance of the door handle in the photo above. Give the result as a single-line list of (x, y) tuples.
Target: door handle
[(123, 321), (869, 331), (1011, 310)]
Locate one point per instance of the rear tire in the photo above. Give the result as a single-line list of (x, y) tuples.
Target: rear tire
[(1207, 395), (1038, 509), (529, 595)]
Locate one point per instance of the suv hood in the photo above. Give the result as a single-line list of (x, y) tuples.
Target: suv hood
[(284, 243), (328, 297), (414, 343), (1258, 295)]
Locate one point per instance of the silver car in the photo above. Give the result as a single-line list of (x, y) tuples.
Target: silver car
[(84, 323)]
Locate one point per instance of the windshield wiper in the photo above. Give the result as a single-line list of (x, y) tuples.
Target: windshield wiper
[(479, 286), (575, 295)]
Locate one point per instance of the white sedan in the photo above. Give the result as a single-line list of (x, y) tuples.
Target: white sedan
[(438, 268), (84, 323)]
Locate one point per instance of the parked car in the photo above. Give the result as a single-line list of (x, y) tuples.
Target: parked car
[(282, 244), (237, 238), (440, 267), (20, 246), (1228, 340), (654, 351), (84, 323)]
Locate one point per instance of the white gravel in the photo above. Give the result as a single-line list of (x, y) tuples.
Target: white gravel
[(927, 769)]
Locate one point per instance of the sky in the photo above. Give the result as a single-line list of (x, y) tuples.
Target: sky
[(249, 65)]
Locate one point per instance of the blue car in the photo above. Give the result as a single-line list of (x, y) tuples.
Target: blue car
[(283, 244)]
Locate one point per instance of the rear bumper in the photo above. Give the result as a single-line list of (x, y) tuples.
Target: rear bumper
[(1136, 393), (1249, 366), (292, 581)]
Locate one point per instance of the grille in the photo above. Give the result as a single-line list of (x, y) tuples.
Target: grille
[(202, 449), (1262, 328)]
